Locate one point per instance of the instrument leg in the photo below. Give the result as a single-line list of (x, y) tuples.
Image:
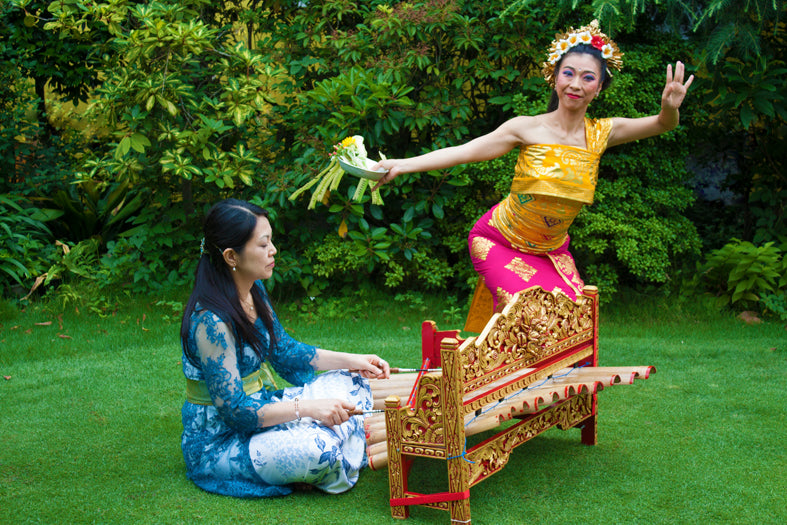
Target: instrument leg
[(589, 426)]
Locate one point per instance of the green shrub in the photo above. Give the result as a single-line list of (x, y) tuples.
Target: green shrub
[(741, 274), (776, 304), (25, 243), (91, 209), (160, 252), (183, 99), (16, 132), (745, 96)]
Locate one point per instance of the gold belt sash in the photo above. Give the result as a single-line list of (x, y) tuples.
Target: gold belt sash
[(197, 390), (551, 184)]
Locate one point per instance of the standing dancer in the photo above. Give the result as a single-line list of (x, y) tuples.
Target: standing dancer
[(523, 241)]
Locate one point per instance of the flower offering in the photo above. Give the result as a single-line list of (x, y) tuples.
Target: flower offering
[(352, 151)]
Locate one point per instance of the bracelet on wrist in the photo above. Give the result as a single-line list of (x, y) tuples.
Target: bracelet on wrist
[(297, 412)]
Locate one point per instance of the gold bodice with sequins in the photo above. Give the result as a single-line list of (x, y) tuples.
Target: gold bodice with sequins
[(551, 184)]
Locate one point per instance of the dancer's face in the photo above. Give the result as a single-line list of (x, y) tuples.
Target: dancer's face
[(578, 79)]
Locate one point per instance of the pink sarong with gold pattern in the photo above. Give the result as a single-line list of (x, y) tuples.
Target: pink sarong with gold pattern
[(523, 241)]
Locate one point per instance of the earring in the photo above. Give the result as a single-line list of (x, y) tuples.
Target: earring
[(234, 269)]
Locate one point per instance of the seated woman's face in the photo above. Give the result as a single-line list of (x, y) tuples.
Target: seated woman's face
[(257, 259)]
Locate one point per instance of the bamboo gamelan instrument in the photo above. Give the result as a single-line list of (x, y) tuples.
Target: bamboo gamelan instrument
[(534, 363), (559, 386)]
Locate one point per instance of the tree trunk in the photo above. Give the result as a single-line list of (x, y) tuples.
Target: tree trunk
[(187, 191), (43, 116)]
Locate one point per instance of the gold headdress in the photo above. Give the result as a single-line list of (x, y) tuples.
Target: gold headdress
[(590, 35)]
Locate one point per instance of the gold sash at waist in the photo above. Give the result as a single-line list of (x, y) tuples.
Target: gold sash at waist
[(535, 223), (197, 391)]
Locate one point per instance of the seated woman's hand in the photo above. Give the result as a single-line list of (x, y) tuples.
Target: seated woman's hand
[(327, 412), (372, 366)]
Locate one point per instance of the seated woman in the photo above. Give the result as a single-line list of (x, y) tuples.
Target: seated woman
[(241, 436)]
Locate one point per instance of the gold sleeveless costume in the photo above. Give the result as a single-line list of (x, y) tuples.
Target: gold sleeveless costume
[(552, 183)]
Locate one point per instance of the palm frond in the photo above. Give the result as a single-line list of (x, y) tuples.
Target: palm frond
[(719, 41), (749, 38)]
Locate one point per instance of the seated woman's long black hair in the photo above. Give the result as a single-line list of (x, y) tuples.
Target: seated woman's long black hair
[(606, 78), (229, 224)]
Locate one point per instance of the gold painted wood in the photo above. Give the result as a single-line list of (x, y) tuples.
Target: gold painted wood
[(522, 365)]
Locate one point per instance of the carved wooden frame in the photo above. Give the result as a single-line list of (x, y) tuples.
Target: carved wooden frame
[(538, 333)]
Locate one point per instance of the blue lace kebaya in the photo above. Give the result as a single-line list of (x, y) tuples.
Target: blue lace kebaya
[(225, 449)]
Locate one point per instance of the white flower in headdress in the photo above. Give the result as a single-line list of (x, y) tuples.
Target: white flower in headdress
[(590, 35)]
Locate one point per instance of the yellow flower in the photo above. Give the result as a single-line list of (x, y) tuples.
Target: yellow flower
[(347, 142)]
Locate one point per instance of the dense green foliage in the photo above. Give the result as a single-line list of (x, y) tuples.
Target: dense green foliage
[(422, 75), (181, 100), (748, 115), (13, 103), (195, 101), (61, 62)]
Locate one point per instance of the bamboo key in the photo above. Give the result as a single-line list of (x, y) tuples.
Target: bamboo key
[(560, 385)]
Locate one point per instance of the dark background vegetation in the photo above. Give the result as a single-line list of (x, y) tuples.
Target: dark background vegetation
[(121, 123)]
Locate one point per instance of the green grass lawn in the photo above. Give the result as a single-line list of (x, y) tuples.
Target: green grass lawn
[(90, 425)]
